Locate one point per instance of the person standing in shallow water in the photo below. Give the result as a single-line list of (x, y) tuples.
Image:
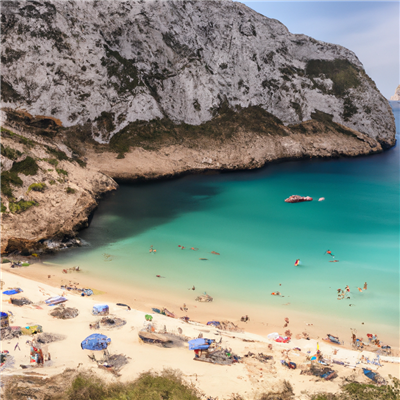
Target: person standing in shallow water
[(365, 286)]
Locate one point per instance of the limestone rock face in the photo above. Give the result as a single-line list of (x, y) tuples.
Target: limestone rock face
[(70, 193), (396, 96), (109, 63)]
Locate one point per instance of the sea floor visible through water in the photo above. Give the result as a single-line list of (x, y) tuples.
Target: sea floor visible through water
[(243, 216)]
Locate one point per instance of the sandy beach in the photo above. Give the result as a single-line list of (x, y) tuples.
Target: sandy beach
[(247, 378), (262, 320)]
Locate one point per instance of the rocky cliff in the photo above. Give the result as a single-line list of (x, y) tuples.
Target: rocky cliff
[(47, 194), (111, 63)]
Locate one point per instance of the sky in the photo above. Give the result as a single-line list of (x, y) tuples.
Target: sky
[(369, 28)]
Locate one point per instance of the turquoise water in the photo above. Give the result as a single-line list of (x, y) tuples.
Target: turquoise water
[(243, 216)]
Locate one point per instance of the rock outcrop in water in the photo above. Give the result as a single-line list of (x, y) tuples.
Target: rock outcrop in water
[(396, 96), (147, 89)]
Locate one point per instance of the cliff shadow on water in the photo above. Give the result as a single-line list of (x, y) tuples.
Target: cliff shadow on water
[(140, 206), (137, 207)]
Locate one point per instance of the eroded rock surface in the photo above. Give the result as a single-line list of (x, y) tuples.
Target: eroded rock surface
[(48, 198), (115, 62)]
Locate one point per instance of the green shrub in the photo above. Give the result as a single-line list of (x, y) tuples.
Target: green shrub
[(149, 386), (21, 139), (25, 141), (51, 161), (21, 206), (343, 74), (37, 187), (81, 162), (5, 261), (25, 264), (362, 391), (9, 178), (69, 190), (61, 171), (4, 130), (50, 170), (26, 167), (120, 155), (168, 385), (52, 182), (87, 387), (224, 126), (3, 208), (349, 109), (60, 155), (9, 152)]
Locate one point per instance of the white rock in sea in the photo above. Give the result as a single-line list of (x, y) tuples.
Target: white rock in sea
[(396, 96)]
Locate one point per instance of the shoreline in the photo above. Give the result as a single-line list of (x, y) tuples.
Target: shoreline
[(247, 378), (137, 179), (263, 319), (170, 176)]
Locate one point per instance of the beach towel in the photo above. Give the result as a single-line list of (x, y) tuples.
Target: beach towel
[(369, 374), (214, 323), (280, 339), (31, 330), (52, 301), (328, 375), (200, 344), (13, 291)]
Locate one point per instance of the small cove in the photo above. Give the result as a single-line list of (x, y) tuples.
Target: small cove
[(243, 216)]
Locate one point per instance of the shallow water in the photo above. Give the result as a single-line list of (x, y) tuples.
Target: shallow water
[(243, 216)]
